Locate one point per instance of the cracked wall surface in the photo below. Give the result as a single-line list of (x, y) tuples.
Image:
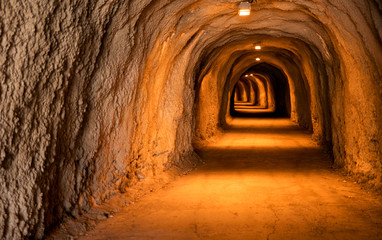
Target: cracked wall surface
[(97, 95)]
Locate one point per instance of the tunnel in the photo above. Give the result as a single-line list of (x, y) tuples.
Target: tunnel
[(180, 119), (249, 91)]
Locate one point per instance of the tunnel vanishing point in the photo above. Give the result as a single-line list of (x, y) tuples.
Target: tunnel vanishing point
[(99, 98)]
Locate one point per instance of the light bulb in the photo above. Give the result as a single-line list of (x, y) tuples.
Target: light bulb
[(244, 8)]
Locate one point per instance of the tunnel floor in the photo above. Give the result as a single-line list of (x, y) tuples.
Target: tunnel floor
[(263, 179)]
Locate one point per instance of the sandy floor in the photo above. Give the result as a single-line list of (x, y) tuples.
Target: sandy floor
[(263, 179)]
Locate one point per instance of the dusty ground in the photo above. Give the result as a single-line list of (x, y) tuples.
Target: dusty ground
[(263, 179)]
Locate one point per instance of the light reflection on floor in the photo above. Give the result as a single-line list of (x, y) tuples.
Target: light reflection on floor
[(263, 179)]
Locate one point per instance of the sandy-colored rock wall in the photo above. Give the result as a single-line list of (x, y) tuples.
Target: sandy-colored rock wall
[(98, 95), (49, 53)]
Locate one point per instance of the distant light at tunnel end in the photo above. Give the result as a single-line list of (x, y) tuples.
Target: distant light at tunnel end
[(244, 9), (257, 59)]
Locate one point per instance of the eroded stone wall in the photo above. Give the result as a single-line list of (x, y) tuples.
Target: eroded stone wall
[(97, 95)]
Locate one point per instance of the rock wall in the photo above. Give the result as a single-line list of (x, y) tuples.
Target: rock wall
[(49, 52), (97, 95)]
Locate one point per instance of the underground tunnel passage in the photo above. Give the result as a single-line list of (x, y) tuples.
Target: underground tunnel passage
[(250, 96), (191, 119)]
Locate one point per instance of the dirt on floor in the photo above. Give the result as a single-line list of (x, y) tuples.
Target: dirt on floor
[(263, 179)]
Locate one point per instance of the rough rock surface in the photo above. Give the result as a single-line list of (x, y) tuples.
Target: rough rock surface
[(98, 95)]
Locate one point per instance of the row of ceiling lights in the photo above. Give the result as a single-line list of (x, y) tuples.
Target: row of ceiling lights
[(257, 47), (245, 10)]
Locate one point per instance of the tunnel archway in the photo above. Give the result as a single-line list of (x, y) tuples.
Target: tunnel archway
[(253, 91), (120, 91), (280, 91)]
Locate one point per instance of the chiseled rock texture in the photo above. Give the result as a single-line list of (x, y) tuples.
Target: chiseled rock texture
[(97, 95)]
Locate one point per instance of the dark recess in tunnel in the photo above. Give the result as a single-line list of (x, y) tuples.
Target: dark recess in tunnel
[(279, 83)]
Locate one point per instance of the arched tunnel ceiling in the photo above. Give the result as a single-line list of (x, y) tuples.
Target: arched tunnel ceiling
[(97, 94)]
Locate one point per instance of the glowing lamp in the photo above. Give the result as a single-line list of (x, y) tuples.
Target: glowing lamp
[(244, 8), (257, 47), (257, 59), (251, 75), (246, 75)]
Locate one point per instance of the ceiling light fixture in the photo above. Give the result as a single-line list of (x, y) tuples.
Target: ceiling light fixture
[(257, 59), (258, 47), (244, 8), (246, 75)]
